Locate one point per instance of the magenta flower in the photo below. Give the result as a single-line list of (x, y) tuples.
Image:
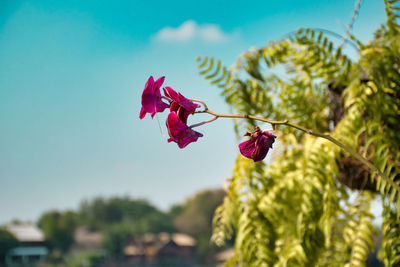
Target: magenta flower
[(179, 132), (257, 146), (151, 98), (182, 106)]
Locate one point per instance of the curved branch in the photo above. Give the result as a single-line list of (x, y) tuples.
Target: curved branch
[(331, 33), (351, 24), (310, 132)]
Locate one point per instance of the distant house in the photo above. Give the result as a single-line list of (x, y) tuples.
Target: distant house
[(161, 248), (180, 246), (134, 251), (31, 248), (86, 239), (150, 246)]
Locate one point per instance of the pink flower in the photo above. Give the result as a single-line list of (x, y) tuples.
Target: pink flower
[(257, 146), (151, 98), (182, 106), (179, 132)]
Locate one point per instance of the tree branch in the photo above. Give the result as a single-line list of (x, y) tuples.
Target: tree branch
[(310, 132)]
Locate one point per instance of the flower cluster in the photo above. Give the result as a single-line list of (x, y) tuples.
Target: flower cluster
[(180, 109), (256, 148)]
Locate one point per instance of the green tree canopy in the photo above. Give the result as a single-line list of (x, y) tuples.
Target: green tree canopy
[(196, 219), (198, 210), (116, 237), (7, 242), (100, 213), (58, 228)]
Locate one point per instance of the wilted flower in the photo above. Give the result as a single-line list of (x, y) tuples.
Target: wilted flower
[(151, 98), (180, 132), (257, 146), (182, 106)]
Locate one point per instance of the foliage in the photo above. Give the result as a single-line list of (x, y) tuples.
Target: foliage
[(86, 259), (301, 210), (100, 213), (198, 210), (58, 229), (195, 219), (175, 210), (7, 242), (54, 258), (116, 237)]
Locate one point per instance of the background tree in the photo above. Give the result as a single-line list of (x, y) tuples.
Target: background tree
[(100, 213), (87, 259), (195, 219), (116, 237), (58, 228), (7, 242), (298, 211)]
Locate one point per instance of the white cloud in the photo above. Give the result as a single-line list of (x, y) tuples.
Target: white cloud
[(190, 30)]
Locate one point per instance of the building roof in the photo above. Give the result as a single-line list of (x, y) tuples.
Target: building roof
[(26, 232), (87, 238), (148, 238), (133, 250), (164, 237), (183, 240)]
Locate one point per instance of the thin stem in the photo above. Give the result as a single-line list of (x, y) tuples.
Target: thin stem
[(310, 132), (202, 102), (351, 24), (204, 122)]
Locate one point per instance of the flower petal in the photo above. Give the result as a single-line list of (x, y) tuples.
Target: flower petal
[(263, 143), (261, 148), (180, 132), (181, 100), (247, 148), (189, 137), (149, 84), (270, 136), (142, 113), (151, 97), (158, 84), (149, 102), (161, 106)]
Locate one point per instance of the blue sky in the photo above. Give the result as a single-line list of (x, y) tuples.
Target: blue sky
[(71, 77)]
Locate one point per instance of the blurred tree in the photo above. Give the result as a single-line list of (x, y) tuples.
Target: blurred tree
[(198, 210), (196, 219), (154, 223), (58, 228), (115, 238), (7, 242), (175, 210), (86, 259), (100, 213)]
